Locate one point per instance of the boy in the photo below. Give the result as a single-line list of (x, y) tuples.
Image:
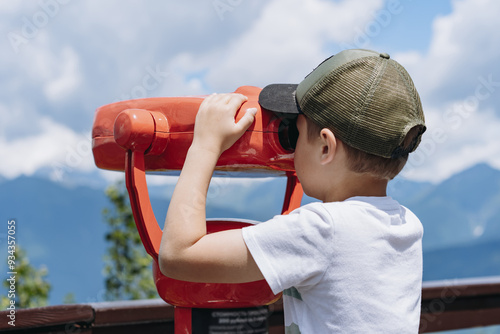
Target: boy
[(351, 264)]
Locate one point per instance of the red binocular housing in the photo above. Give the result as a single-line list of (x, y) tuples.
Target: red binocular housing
[(162, 128), (154, 134)]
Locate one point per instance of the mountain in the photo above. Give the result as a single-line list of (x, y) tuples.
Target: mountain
[(463, 209), (461, 219), (475, 260), (62, 226)]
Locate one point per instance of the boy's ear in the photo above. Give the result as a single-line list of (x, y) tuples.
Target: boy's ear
[(328, 146)]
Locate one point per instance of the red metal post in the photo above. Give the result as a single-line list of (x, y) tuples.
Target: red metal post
[(183, 320)]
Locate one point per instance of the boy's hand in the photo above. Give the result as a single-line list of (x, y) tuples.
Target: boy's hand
[(187, 252), (215, 128)]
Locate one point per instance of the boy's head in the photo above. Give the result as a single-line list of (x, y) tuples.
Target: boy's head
[(366, 99)]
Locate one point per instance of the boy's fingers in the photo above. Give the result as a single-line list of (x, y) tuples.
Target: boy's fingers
[(209, 99), (247, 120), (235, 101), (231, 100)]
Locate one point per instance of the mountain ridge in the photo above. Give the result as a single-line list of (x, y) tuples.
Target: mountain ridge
[(62, 226)]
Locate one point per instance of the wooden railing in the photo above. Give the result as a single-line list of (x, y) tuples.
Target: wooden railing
[(446, 305), (460, 303)]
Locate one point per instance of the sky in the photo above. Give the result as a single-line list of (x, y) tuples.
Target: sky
[(62, 59)]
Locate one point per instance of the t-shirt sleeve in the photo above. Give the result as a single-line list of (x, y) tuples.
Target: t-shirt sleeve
[(292, 250)]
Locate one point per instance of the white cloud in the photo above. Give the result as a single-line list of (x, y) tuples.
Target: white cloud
[(459, 83), (56, 147), (53, 68), (91, 53), (287, 41), (111, 176), (10, 6), (463, 48), (66, 76), (457, 141), (282, 44)]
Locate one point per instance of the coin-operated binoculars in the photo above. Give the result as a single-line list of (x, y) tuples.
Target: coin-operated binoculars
[(154, 134)]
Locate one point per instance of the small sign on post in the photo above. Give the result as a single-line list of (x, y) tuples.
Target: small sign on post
[(252, 320)]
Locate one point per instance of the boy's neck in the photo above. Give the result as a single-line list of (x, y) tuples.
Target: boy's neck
[(353, 184)]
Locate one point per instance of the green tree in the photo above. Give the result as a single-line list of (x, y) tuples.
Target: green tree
[(69, 298), (31, 286), (127, 265)]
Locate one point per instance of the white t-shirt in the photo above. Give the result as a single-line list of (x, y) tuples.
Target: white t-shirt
[(344, 267)]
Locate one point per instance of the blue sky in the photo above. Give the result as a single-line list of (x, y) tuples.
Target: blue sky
[(61, 59)]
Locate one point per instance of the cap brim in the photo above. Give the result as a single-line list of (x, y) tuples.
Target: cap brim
[(279, 98)]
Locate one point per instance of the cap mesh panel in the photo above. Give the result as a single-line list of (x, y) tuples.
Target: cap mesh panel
[(369, 103)]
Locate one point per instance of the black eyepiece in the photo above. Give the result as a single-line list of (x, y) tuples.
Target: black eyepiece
[(288, 133)]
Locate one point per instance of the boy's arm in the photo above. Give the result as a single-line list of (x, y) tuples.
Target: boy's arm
[(186, 251)]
